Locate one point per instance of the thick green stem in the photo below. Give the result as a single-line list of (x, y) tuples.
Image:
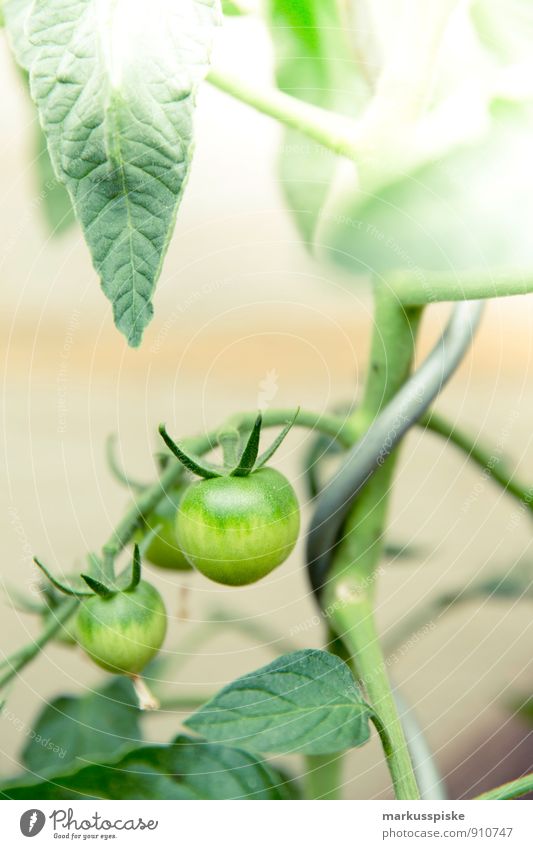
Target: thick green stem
[(488, 460), (352, 616), (323, 779), (350, 589), (434, 287), (391, 357)]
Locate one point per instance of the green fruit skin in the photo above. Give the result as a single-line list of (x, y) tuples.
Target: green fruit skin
[(235, 530), (164, 550), (123, 633)]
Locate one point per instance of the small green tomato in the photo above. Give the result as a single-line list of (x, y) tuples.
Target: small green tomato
[(163, 549), (124, 631), (235, 530)]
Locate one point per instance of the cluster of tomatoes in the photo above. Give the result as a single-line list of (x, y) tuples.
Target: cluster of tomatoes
[(232, 527)]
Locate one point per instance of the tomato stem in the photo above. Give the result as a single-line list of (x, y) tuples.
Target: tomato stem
[(353, 619), (350, 588), (145, 697)]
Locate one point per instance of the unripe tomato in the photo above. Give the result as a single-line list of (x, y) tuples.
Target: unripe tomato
[(124, 632), (235, 530), (163, 549)]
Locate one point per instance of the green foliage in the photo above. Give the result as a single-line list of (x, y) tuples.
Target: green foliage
[(97, 726), (468, 211), (119, 125), (56, 205), (186, 769), (306, 701), (314, 63)]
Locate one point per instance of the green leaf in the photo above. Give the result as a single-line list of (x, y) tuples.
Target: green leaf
[(315, 63), (306, 701), (115, 86), (186, 769), (450, 215), (72, 730), (273, 447), (196, 465), (56, 205), (250, 451)]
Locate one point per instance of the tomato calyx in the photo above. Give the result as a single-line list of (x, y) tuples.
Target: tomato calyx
[(95, 585), (241, 458)]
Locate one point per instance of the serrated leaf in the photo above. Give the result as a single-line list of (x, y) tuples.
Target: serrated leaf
[(72, 730), (306, 701), (185, 769), (56, 205), (115, 86)]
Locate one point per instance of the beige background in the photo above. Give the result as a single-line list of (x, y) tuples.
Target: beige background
[(238, 299)]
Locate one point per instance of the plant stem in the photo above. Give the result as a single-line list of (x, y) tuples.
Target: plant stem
[(353, 620), (511, 790), (19, 659), (391, 357), (428, 777), (323, 776), (432, 287), (350, 589), (329, 129), (488, 460)]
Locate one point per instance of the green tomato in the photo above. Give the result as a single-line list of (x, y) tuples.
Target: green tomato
[(124, 632), (163, 549), (235, 530)]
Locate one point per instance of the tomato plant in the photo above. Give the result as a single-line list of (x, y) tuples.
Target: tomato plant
[(424, 201)]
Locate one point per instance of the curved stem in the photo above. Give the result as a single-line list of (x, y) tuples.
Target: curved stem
[(366, 467), (327, 128), (488, 460), (511, 790), (116, 468), (435, 287)]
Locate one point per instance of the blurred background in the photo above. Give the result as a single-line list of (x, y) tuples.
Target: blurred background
[(245, 316)]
